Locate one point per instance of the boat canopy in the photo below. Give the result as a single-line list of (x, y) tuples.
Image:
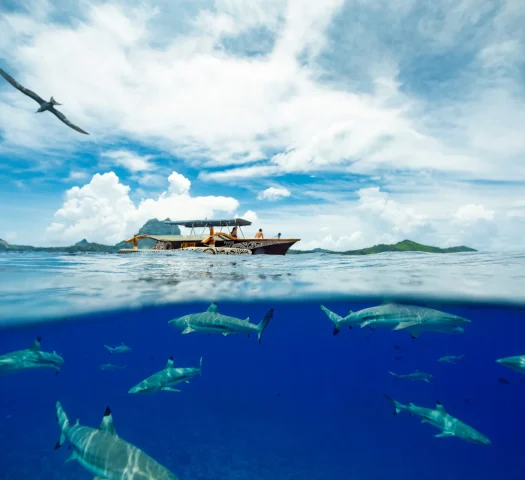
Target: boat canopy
[(236, 222)]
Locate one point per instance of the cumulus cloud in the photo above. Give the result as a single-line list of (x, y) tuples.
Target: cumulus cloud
[(129, 160), (473, 213), (250, 215), (102, 210), (274, 193)]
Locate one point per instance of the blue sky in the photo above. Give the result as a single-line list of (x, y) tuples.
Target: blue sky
[(345, 123)]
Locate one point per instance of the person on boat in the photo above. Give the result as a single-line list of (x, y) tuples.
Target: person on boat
[(278, 235), (234, 232), (259, 234)]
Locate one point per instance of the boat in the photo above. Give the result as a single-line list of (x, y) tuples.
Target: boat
[(213, 242)]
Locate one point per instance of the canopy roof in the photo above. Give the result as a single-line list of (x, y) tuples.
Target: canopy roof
[(239, 222)]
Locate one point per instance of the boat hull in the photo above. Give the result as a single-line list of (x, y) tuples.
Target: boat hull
[(269, 246)]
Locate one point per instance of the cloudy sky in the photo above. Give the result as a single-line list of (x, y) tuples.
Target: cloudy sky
[(344, 123)]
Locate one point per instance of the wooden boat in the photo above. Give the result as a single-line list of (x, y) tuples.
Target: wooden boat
[(214, 242)]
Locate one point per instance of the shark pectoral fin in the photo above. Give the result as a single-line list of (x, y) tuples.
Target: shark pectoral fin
[(169, 389), (402, 325), (444, 434), (71, 457), (226, 333), (107, 423), (187, 381), (424, 420), (187, 330)]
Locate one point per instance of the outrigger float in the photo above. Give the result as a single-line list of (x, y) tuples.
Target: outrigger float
[(214, 243)]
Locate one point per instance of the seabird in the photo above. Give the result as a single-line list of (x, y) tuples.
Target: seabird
[(43, 104)]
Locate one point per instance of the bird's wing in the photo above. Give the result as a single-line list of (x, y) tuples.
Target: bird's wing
[(62, 117), (15, 84)]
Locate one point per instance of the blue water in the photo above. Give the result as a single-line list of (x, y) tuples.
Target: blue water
[(304, 404)]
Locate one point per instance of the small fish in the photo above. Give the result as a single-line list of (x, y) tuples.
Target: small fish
[(399, 357), (504, 381), (111, 366), (120, 349), (450, 358)]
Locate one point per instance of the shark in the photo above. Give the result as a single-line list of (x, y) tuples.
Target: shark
[(102, 452), (416, 375), (516, 363), (119, 349), (111, 366), (211, 321), (412, 318), (29, 359), (450, 358), (164, 380), (351, 319), (438, 417)]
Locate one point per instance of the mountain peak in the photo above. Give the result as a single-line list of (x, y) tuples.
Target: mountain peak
[(82, 242)]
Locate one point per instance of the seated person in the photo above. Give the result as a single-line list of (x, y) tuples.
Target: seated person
[(234, 232), (259, 234)]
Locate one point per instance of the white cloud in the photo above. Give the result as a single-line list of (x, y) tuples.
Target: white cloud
[(274, 193), (250, 215), (102, 210), (471, 213), (179, 184), (130, 160), (199, 95)]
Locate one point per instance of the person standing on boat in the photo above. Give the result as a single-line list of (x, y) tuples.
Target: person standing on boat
[(234, 232), (259, 234)]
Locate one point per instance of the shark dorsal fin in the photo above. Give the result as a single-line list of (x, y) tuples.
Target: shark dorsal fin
[(36, 344), (247, 319), (440, 407), (107, 423), (350, 312), (212, 308), (77, 422), (169, 363)]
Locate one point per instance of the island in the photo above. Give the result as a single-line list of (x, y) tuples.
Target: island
[(403, 246), (157, 227)]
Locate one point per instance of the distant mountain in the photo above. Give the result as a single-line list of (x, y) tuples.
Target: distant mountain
[(151, 227), (403, 246)]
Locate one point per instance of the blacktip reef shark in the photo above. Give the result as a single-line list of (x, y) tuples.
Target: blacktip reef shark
[(516, 363), (211, 321), (29, 359), (450, 358), (416, 375), (351, 319), (164, 380), (112, 366), (49, 106), (102, 452), (449, 425), (120, 349), (412, 318)]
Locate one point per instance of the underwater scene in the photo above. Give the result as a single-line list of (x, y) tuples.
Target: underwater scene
[(318, 387)]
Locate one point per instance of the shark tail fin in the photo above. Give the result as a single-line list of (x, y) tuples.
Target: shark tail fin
[(397, 406), (63, 423), (395, 375), (336, 319), (264, 323)]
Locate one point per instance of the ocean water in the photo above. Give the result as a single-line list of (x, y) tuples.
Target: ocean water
[(303, 404)]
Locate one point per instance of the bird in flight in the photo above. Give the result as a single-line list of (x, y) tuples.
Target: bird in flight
[(50, 106)]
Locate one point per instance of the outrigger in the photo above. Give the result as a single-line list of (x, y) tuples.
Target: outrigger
[(214, 242)]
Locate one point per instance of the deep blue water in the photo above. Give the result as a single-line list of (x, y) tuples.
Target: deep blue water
[(304, 404)]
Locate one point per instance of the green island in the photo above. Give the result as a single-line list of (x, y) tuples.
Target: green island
[(157, 227), (403, 246)]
